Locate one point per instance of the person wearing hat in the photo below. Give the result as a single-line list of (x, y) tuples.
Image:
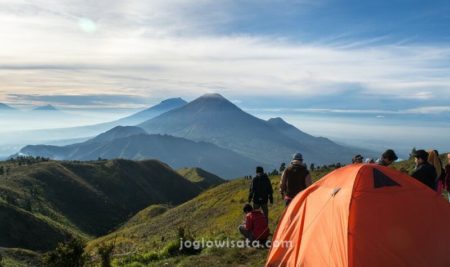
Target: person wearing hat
[(261, 191), (388, 158), (358, 159), (424, 172), (294, 179)]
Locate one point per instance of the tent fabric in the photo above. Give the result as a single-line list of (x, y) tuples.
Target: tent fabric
[(362, 216)]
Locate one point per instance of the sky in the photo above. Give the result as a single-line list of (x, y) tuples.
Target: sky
[(341, 59), (301, 53)]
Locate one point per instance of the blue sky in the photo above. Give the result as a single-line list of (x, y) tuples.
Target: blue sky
[(389, 55)]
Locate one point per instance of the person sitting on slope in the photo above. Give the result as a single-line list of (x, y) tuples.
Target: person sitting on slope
[(255, 227)]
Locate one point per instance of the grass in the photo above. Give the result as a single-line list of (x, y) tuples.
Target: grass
[(14, 257), (43, 203), (201, 177), (29, 199), (214, 214)]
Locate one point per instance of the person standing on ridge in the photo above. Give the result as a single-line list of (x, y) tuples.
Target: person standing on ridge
[(294, 179), (388, 158), (261, 191), (433, 159), (424, 172), (358, 159)]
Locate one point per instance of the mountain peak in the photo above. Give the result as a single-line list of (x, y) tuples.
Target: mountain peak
[(214, 101), (175, 100), (279, 122), (276, 120), (213, 96), (46, 108), (170, 103), (5, 107)]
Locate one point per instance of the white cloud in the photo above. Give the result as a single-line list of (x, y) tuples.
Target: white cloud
[(161, 48), (430, 110)]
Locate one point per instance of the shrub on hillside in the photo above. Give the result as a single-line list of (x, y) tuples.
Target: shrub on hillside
[(67, 254), (105, 251)]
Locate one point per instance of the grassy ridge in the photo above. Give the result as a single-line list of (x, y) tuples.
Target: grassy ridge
[(44, 202), (14, 257), (213, 215), (201, 177)]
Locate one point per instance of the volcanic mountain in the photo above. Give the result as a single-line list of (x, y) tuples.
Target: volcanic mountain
[(132, 142), (212, 118)]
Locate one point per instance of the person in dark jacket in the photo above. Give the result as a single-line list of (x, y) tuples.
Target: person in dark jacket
[(261, 191), (255, 226), (358, 159), (294, 179), (424, 172), (387, 158), (433, 159)]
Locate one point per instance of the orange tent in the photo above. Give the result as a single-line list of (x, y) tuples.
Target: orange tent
[(364, 216)]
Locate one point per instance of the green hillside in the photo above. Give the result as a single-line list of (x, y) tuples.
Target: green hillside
[(41, 203), (213, 215), (201, 177), (10, 257), (32, 212)]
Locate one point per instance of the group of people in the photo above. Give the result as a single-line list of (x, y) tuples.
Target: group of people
[(429, 168), (295, 178)]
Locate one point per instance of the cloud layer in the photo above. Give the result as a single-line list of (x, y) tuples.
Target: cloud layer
[(159, 49)]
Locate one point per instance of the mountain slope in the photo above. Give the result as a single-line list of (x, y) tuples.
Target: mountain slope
[(42, 203), (46, 108), (213, 215), (201, 177), (212, 118), (333, 150), (6, 107), (164, 106), (131, 143), (62, 134)]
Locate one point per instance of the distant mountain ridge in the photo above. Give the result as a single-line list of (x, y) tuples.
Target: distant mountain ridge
[(130, 142), (212, 118), (46, 108), (141, 116), (6, 107), (201, 177), (46, 136)]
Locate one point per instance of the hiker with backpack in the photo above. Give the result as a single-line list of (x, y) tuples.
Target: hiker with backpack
[(387, 158), (261, 191), (424, 172), (294, 179), (255, 227)]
